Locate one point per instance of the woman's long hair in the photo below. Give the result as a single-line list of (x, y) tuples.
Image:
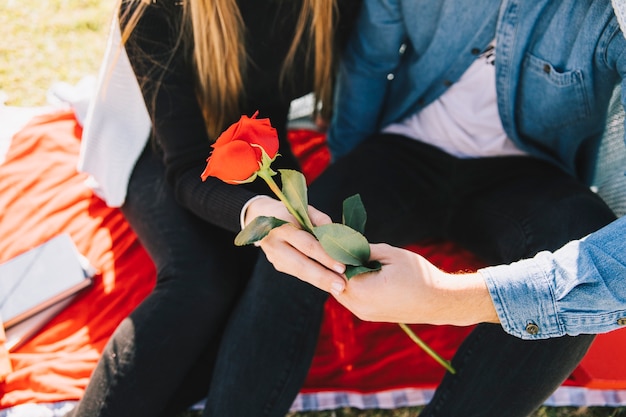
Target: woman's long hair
[(216, 30)]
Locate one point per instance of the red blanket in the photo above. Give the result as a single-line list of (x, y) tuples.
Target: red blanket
[(42, 195)]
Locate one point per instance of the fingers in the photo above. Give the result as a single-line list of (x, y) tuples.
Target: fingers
[(298, 253), (309, 246), (380, 252), (317, 217), (265, 206)]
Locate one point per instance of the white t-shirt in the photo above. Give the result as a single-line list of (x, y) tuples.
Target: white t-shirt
[(464, 121)]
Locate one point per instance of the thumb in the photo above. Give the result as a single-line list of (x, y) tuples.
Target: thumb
[(317, 217), (380, 251)]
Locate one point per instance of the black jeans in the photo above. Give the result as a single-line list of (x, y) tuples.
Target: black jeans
[(159, 360), (502, 209)]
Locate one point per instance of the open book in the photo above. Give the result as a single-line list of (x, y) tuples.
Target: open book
[(38, 284)]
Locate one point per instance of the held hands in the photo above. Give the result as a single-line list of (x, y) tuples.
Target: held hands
[(390, 295), (409, 289)]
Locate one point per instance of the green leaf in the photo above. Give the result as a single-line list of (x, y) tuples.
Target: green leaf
[(354, 214), (257, 229), (372, 266), (294, 189), (343, 244)]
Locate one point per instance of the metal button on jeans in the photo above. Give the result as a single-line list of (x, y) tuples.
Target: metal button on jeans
[(532, 328), (622, 321)]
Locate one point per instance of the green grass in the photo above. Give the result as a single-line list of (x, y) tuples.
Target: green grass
[(45, 41)]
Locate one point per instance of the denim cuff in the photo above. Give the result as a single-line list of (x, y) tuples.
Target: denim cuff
[(524, 299)]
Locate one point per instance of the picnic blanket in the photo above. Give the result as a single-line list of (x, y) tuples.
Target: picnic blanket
[(358, 364)]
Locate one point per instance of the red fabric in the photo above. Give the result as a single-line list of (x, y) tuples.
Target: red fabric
[(42, 195), (353, 355), (5, 363)]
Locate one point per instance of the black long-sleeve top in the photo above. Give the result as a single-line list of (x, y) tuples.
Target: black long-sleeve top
[(167, 82)]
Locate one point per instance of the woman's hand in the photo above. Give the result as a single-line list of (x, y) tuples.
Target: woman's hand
[(294, 251)]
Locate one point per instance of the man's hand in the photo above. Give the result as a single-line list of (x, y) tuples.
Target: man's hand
[(409, 289)]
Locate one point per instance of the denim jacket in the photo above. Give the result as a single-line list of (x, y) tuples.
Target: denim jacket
[(557, 64)]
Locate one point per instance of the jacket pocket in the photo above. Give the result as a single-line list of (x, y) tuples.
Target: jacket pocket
[(549, 98)]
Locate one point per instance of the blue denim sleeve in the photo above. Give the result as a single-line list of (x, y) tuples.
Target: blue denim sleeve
[(581, 288), (371, 55)]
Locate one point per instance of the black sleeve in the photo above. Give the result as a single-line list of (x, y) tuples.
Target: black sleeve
[(162, 68)]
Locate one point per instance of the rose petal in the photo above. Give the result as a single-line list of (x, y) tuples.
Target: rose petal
[(232, 163), (260, 132), (234, 144), (229, 134)]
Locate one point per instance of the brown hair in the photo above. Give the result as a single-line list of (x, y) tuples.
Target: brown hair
[(216, 30)]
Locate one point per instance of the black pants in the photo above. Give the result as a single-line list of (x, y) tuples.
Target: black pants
[(159, 360), (502, 209)]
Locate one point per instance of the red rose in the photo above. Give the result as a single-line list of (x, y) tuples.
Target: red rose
[(237, 154), (244, 152)]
